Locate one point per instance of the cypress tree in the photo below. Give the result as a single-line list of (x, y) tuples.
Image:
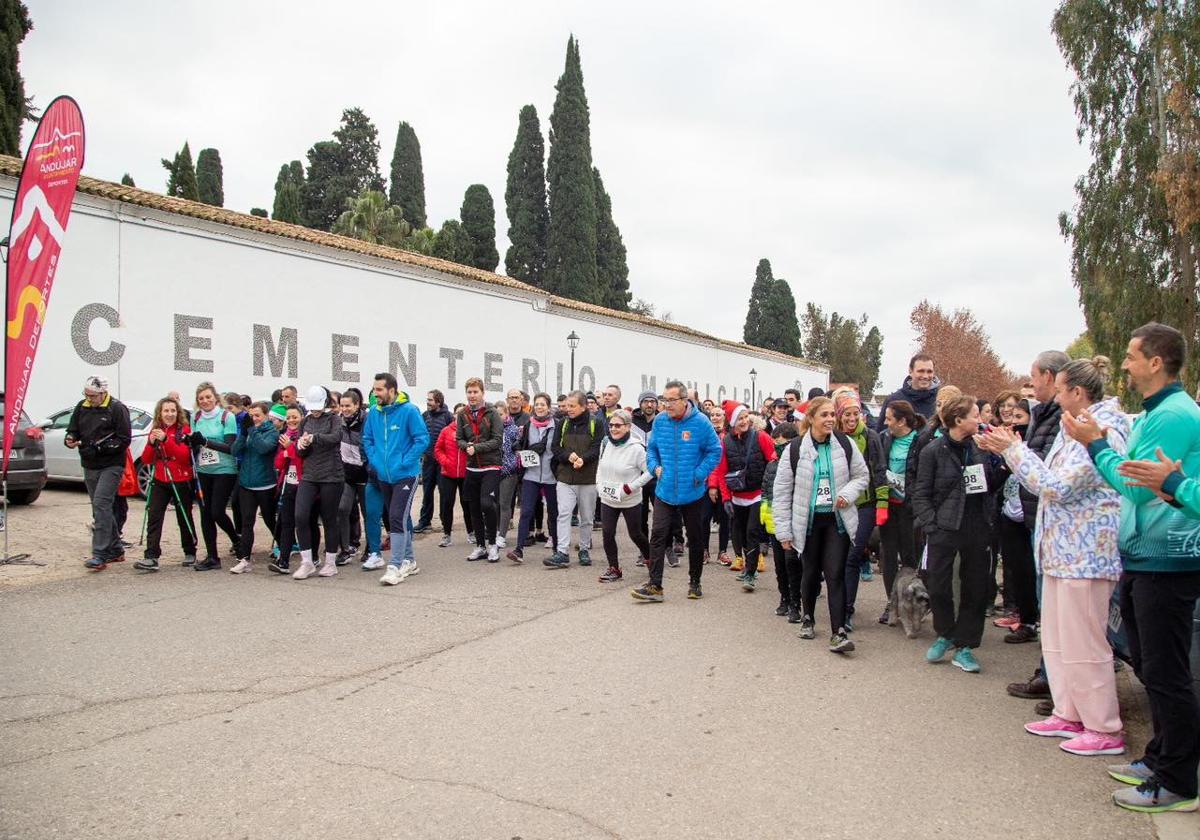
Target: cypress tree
[(181, 181), (288, 188), (360, 144), (453, 243), (479, 222), (127, 180), (612, 268), (408, 178), (764, 280), (210, 178), (781, 328), (525, 200), (341, 169), (14, 107), (571, 236)]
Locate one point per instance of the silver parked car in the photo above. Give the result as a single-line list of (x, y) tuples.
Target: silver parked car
[(62, 464)]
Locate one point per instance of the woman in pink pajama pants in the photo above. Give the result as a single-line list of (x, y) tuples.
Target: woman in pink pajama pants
[(1075, 542)]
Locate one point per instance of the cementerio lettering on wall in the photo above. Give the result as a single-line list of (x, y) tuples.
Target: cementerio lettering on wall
[(185, 343), (81, 329), (451, 355), (492, 372), (529, 376), (402, 366), (340, 357), (267, 353)]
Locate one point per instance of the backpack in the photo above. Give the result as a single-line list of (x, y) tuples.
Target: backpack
[(794, 449)]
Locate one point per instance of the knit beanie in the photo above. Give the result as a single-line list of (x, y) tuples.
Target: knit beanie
[(647, 395), (278, 412)]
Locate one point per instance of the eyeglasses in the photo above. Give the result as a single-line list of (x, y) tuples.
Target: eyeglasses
[(617, 425), (672, 400)]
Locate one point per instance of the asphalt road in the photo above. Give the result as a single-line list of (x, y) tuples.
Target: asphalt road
[(497, 702)]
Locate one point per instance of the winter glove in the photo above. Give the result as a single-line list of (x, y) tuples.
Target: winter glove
[(881, 516), (729, 508), (197, 440), (627, 490)]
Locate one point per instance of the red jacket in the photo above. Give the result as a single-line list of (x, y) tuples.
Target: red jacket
[(287, 458), (716, 481), (176, 454), (450, 458)]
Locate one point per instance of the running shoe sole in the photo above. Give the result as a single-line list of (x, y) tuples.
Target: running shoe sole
[(1110, 751)]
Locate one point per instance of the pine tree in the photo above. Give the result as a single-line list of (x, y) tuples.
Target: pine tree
[(181, 181), (764, 280), (612, 268), (408, 177), (127, 181), (14, 106), (453, 243), (780, 327), (360, 144), (525, 200), (341, 169), (479, 221), (571, 236), (210, 178), (288, 194)]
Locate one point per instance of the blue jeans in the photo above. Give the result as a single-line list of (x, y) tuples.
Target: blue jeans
[(398, 499), (858, 554)]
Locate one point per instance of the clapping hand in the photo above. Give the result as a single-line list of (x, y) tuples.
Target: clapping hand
[(997, 439), (1150, 474), (1083, 427)]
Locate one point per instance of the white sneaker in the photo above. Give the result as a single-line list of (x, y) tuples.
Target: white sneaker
[(306, 570), (501, 542), (329, 567), (374, 561), (446, 542), (410, 567), (242, 566), (493, 552), (478, 554), (392, 576)]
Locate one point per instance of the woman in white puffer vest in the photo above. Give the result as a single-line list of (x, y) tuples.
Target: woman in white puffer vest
[(620, 476)]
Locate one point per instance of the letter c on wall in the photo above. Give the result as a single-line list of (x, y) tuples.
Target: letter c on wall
[(81, 326)]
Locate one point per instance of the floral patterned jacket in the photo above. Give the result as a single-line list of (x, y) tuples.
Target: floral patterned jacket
[(1078, 514)]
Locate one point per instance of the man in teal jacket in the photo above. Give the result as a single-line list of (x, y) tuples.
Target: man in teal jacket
[(394, 438), (1160, 552), (683, 449)]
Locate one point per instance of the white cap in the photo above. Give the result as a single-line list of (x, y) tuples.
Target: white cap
[(315, 398), (96, 384)]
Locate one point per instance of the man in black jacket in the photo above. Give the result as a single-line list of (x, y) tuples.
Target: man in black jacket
[(437, 417), (919, 389), (99, 428)]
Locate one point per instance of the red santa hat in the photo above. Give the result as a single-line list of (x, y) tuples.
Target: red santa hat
[(733, 410)]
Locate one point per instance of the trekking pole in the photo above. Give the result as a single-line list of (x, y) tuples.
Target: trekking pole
[(149, 493), (179, 502)]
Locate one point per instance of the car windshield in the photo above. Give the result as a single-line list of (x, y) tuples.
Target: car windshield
[(25, 421), (140, 420)]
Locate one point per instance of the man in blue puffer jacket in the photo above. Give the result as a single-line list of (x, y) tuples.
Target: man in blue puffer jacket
[(394, 438), (683, 449)]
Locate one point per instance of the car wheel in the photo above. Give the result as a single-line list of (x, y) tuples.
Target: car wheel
[(23, 497), (145, 475)]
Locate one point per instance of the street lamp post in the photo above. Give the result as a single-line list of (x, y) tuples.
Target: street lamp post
[(572, 342), (753, 379)]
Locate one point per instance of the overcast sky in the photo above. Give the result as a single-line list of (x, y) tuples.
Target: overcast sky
[(877, 153)]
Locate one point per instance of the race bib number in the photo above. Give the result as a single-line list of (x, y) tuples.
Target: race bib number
[(292, 477), (824, 494), (896, 481), (974, 480), (611, 492), (530, 459), (208, 457)]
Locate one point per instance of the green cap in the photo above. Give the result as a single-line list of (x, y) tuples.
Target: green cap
[(279, 411)]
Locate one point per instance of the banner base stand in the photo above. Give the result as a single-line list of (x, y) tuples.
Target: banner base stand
[(7, 559)]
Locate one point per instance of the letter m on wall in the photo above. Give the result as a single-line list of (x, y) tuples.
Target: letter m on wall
[(269, 353)]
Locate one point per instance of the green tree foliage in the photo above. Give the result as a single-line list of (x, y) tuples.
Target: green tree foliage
[(525, 200), (408, 178), (181, 180), (853, 351), (571, 236), (453, 243), (780, 330), (210, 178), (370, 218), (341, 169), (764, 281), (612, 268), (421, 241), (127, 180), (1134, 230), (258, 211), (289, 187), (14, 106), (1081, 347), (479, 221)]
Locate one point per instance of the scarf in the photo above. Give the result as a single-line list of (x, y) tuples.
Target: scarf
[(209, 415), (621, 442), (541, 424)]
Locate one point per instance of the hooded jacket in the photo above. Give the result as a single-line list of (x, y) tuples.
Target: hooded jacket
[(923, 402), (939, 496), (688, 450), (869, 444), (621, 465), (792, 495), (484, 430), (323, 456), (535, 437), (435, 421), (255, 450), (353, 456), (451, 459), (394, 438), (1043, 431), (103, 432), (176, 455)]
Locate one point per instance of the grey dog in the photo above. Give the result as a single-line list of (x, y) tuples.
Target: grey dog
[(909, 602)]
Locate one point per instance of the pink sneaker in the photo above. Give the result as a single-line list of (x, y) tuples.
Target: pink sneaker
[(1094, 743), (1055, 727), (1008, 622)]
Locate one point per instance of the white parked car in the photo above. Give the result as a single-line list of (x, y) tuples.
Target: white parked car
[(62, 464)]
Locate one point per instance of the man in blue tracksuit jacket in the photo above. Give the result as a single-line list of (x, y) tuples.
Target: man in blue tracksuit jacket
[(683, 449), (394, 438)]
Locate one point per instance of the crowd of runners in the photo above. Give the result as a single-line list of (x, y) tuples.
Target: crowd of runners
[(1047, 502)]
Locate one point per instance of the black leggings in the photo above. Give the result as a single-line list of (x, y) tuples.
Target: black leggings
[(748, 534), (1016, 547), (215, 489), (354, 500), (448, 488), (251, 502), (825, 552), (285, 533), (609, 516), (324, 496), (715, 510), (482, 491), (897, 543), (162, 494), (781, 569)]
